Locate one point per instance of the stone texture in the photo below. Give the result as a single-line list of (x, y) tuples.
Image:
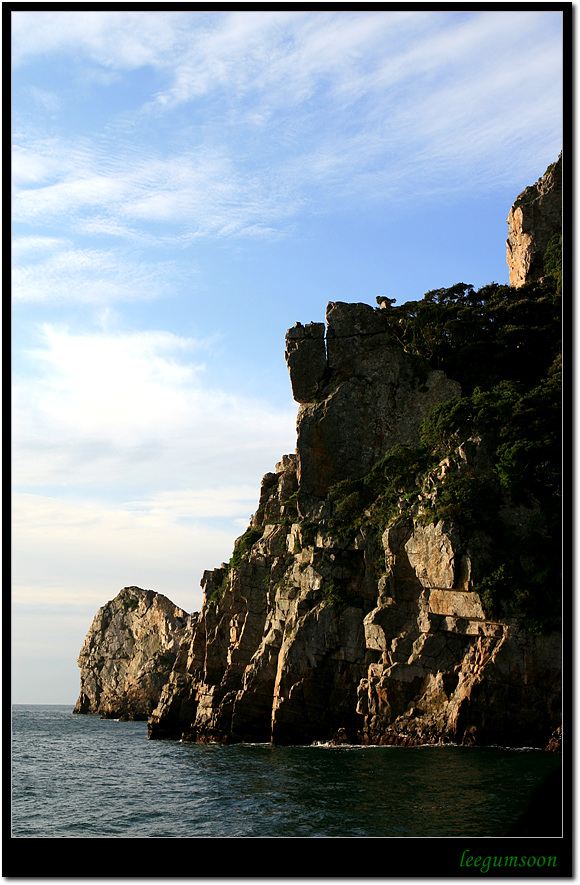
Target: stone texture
[(380, 639), (128, 654), (306, 360), (534, 218), (369, 396), (372, 641)]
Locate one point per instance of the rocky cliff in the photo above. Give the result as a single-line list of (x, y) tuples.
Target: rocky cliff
[(128, 654), (348, 610), (534, 220), (360, 395), (399, 581)]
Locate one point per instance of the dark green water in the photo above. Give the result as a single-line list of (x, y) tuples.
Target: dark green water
[(84, 776)]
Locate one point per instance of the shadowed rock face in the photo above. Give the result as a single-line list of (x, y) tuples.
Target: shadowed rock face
[(360, 395), (128, 654), (306, 637), (534, 218)]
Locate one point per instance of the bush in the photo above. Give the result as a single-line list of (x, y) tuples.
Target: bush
[(469, 499), (244, 546), (373, 499)]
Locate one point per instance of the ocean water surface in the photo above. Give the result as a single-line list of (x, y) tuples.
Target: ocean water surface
[(82, 776)]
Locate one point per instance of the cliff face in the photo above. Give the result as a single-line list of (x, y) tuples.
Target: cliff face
[(320, 627), (366, 602), (128, 654), (360, 395), (535, 217)]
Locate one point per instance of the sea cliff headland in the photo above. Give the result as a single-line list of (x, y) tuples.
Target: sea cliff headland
[(400, 579)]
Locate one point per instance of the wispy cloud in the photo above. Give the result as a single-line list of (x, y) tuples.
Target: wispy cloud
[(50, 270), (437, 93), (112, 39), (136, 410), (203, 191)]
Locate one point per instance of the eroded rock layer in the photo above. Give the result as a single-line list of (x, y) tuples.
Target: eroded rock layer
[(128, 654)]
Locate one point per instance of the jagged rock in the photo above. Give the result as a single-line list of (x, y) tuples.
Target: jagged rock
[(306, 359), (128, 654), (303, 637), (368, 630), (366, 397), (534, 218)]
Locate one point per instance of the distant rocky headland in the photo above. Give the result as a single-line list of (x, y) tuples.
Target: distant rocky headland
[(129, 653), (400, 580)]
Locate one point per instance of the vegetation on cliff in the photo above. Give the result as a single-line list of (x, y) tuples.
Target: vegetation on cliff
[(399, 581), (504, 347)]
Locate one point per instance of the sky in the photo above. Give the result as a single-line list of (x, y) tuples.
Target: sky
[(186, 186)]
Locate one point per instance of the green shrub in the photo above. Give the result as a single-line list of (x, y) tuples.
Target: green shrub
[(469, 499), (130, 603), (309, 532), (504, 348), (241, 551), (340, 597), (244, 545), (553, 261)]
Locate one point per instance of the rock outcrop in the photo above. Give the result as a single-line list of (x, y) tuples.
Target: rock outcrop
[(360, 394), (128, 654), (535, 217), (371, 598), (312, 632)]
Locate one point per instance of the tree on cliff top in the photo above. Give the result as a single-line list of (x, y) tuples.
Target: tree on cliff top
[(480, 338)]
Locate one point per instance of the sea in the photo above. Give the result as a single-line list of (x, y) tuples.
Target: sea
[(83, 776)]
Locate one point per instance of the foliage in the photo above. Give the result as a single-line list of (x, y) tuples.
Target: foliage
[(309, 530), (503, 345), (241, 551), (468, 498), (130, 603), (553, 261), (340, 597), (482, 338), (373, 499), (244, 545), (522, 429), (508, 588)]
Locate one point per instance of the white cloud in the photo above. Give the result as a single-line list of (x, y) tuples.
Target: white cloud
[(84, 551), (51, 270), (202, 191), (135, 409), (39, 159), (35, 246), (113, 39)]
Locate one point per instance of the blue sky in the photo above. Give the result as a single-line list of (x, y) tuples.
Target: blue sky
[(188, 185)]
